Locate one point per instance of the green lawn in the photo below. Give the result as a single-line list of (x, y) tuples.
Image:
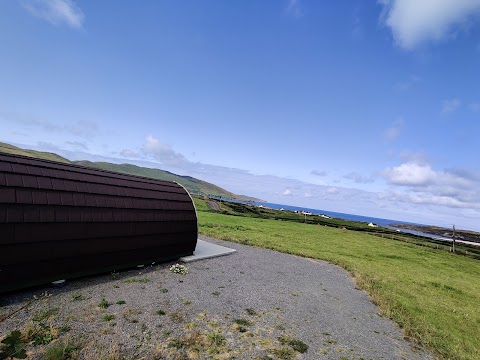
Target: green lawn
[(433, 295)]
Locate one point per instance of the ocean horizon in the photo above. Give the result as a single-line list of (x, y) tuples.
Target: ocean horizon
[(345, 216)]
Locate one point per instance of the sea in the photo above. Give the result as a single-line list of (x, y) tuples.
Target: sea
[(367, 219), (345, 216)]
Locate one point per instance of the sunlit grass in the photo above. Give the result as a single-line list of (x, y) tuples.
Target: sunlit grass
[(433, 295)]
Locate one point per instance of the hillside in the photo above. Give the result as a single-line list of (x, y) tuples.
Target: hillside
[(10, 149), (193, 185)]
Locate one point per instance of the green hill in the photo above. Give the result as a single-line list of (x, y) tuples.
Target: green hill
[(193, 185), (10, 149)]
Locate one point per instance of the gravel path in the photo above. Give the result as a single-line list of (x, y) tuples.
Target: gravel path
[(254, 304)]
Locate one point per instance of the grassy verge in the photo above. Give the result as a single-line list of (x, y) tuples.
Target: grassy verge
[(433, 295)]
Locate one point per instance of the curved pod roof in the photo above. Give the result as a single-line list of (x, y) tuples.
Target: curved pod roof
[(61, 221)]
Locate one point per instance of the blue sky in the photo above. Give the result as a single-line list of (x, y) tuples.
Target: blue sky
[(364, 107)]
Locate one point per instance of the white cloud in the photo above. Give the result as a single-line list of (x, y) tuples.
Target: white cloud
[(287, 192), (332, 190), (411, 174), (414, 22), (163, 152), (450, 105), (433, 199), (457, 188), (56, 12)]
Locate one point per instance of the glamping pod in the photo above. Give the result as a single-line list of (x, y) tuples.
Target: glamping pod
[(59, 221)]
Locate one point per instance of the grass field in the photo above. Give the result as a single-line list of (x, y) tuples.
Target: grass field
[(432, 294)]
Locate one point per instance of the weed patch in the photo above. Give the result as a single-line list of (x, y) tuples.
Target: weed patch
[(62, 351), (295, 344), (242, 322), (103, 304), (108, 317)]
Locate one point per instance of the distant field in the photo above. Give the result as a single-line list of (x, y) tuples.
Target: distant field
[(432, 294)]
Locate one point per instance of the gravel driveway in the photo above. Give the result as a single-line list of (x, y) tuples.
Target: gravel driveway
[(254, 304)]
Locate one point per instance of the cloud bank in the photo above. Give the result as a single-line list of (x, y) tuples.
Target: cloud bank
[(414, 22), (417, 192), (455, 188), (56, 12)]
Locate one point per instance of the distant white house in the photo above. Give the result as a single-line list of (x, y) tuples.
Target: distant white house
[(324, 216), (306, 213), (372, 225)]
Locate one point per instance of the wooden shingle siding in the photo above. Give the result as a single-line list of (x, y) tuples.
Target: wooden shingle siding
[(61, 221)]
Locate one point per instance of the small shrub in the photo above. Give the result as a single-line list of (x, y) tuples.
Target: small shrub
[(160, 312), (121, 302), (103, 304), (295, 344), (216, 339), (179, 269), (44, 335), (163, 290), (108, 317)]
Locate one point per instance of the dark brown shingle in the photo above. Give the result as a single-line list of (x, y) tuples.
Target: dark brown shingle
[(61, 220)]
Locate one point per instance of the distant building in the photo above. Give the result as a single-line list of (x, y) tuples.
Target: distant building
[(372, 225)]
